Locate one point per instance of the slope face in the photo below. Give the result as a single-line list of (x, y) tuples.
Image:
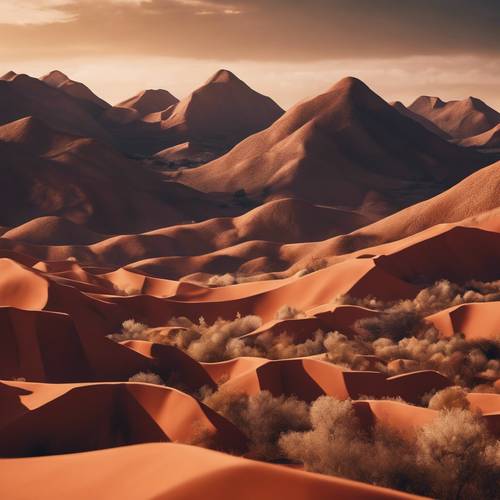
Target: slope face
[(222, 112), (420, 119), (23, 96), (460, 119), (487, 140), (34, 135), (346, 147), (59, 80)]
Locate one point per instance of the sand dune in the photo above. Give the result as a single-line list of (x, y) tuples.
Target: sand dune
[(190, 470), (460, 119), (69, 418)]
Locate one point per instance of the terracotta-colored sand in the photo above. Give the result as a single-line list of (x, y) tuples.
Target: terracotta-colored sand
[(343, 194), (142, 474)]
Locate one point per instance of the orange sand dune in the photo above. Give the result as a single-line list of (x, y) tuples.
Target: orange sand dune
[(191, 470), (460, 119), (475, 321), (282, 221), (69, 418)]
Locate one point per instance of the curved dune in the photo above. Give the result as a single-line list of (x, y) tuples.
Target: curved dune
[(476, 321), (83, 417), (191, 471)]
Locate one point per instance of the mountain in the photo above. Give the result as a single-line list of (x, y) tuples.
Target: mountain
[(221, 112), (420, 119), (149, 101), (59, 80), (346, 148), (460, 119), (22, 96)]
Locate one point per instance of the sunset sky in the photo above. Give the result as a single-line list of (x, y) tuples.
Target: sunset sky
[(288, 49)]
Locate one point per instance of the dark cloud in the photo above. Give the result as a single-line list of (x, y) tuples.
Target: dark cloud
[(286, 30)]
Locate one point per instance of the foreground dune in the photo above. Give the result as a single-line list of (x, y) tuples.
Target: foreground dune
[(192, 473)]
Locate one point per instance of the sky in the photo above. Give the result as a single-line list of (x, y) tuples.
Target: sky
[(288, 49)]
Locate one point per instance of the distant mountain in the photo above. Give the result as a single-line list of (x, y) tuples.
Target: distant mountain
[(222, 112), (345, 148), (149, 101), (22, 96), (460, 119), (420, 119), (59, 80)]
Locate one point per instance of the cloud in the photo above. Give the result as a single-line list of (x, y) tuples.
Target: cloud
[(273, 30), (23, 12)]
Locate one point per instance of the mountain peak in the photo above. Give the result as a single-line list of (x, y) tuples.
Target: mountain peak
[(351, 85), (55, 78), (223, 76), (9, 75)]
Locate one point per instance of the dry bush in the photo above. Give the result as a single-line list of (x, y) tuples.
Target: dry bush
[(339, 446), (454, 397), (289, 312), (465, 363), (453, 457), (459, 456), (147, 377), (394, 325), (211, 342), (439, 296), (262, 418), (222, 280), (221, 340), (131, 330)]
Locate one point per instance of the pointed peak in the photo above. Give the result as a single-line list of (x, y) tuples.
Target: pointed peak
[(431, 101), (55, 78), (350, 84), (9, 75), (223, 76), (474, 102), (397, 105)]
